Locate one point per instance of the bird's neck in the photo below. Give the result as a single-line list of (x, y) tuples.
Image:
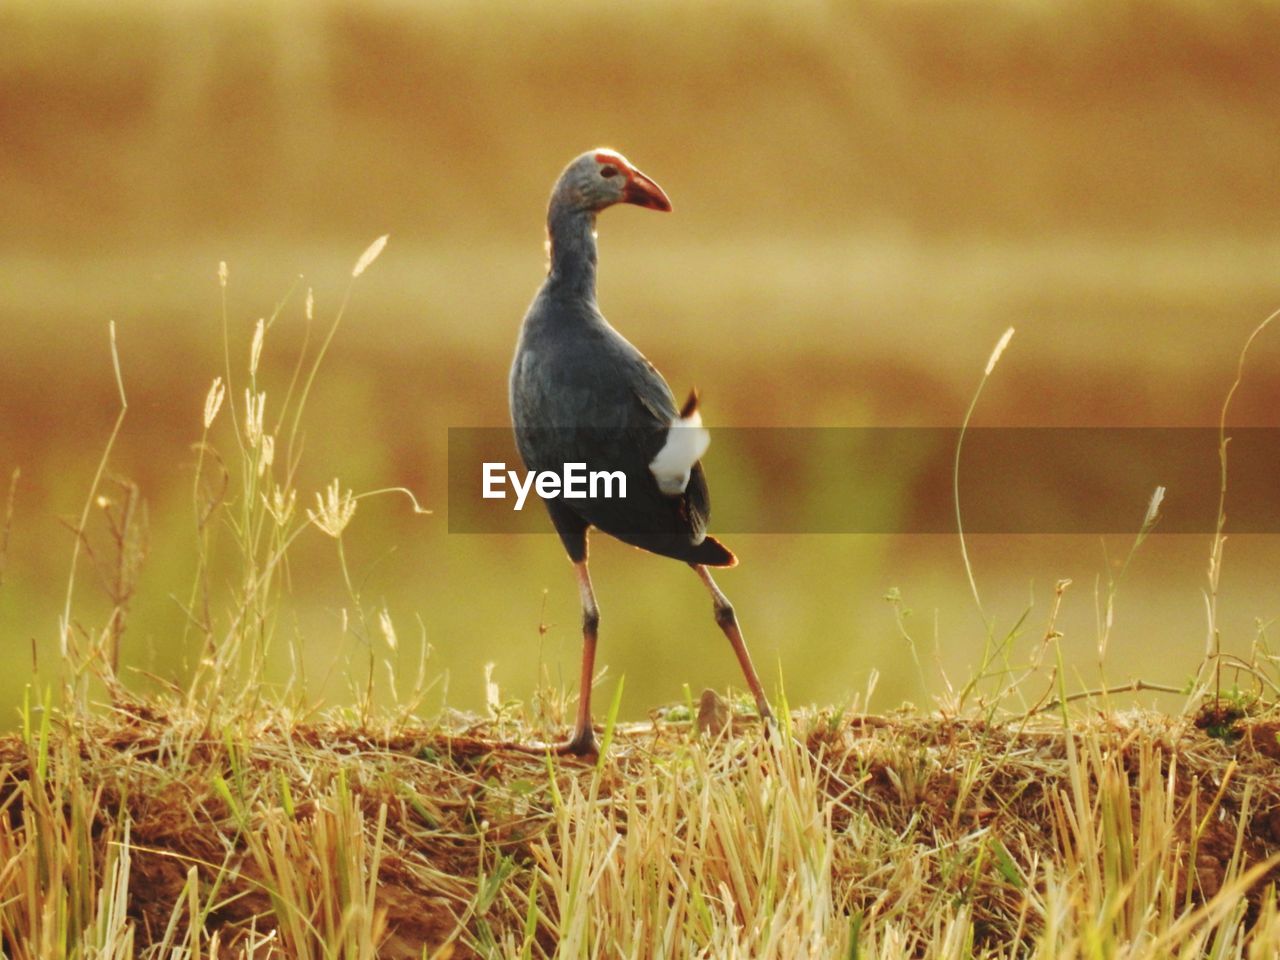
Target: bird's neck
[(571, 233)]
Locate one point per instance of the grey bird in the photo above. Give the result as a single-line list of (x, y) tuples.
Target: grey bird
[(581, 393)]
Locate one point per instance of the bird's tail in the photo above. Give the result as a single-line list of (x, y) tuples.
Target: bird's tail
[(713, 553)]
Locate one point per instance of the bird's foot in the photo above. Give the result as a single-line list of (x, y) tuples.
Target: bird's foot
[(583, 744)]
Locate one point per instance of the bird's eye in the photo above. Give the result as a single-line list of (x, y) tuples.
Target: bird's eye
[(608, 171)]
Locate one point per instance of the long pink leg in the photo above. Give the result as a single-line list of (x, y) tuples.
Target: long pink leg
[(728, 622), (584, 738)]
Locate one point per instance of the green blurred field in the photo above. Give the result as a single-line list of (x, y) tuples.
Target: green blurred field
[(866, 195)]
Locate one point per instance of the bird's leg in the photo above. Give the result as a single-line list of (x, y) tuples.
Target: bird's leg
[(728, 622), (584, 737)]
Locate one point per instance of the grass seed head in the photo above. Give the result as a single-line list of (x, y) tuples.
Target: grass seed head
[(213, 401), (334, 509), (388, 628), (1153, 508), (370, 255), (255, 351), (254, 407), (267, 454), (281, 505), (995, 354)]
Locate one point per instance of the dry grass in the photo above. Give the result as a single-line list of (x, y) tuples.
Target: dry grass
[(146, 833)]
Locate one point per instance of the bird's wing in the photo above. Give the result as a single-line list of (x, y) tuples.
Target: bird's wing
[(595, 399), (646, 427)]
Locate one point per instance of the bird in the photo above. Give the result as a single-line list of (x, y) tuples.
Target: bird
[(580, 392)]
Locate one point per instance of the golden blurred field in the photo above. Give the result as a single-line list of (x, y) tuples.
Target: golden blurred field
[(866, 195)]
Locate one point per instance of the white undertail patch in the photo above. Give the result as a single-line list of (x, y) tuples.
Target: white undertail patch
[(687, 441)]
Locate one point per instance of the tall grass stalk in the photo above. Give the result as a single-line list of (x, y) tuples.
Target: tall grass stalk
[(80, 662), (1213, 645), (991, 650), (996, 352), (1106, 616)]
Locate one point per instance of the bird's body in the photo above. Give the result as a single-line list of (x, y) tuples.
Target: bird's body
[(581, 393)]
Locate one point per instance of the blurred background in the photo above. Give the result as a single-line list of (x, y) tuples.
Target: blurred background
[(866, 195)]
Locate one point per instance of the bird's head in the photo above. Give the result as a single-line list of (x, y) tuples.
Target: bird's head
[(600, 178)]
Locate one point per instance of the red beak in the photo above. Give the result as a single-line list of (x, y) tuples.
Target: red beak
[(643, 192)]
